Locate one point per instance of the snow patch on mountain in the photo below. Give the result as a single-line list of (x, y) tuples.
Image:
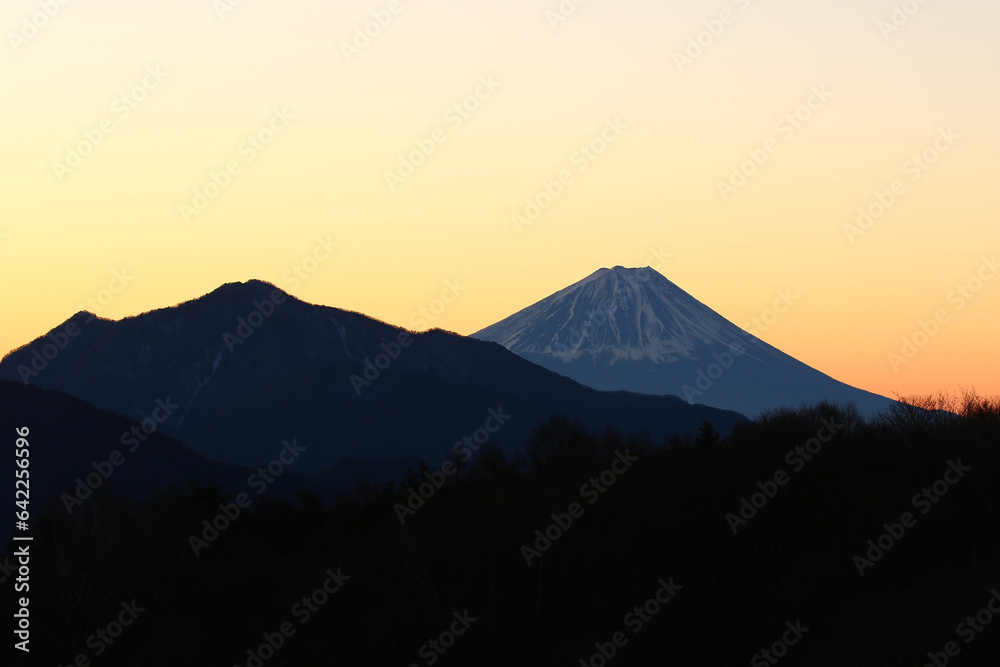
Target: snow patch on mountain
[(634, 330), (613, 315)]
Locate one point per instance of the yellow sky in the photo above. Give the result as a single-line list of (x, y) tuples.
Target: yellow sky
[(196, 142)]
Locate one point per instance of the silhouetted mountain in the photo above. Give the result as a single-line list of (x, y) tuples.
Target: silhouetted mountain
[(72, 442), (634, 330), (701, 556), (248, 367)]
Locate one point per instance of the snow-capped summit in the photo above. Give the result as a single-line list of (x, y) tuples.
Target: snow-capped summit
[(612, 315), (632, 329)]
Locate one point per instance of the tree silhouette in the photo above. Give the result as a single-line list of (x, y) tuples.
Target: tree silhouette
[(707, 436)]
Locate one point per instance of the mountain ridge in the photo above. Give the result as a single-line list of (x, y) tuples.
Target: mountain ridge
[(250, 366)]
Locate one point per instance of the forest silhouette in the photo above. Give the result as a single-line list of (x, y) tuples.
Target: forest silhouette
[(790, 556)]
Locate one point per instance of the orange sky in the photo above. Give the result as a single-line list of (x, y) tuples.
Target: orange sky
[(730, 145)]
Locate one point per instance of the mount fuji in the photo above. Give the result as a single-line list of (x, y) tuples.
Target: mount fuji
[(634, 330)]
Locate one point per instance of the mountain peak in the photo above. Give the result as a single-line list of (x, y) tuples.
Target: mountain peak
[(251, 286), (615, 314), (242, 292), (621, 274), (643, 273), (634, 330), (618, 269)]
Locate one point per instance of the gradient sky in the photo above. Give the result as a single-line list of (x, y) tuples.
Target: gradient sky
[(651, 198)]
